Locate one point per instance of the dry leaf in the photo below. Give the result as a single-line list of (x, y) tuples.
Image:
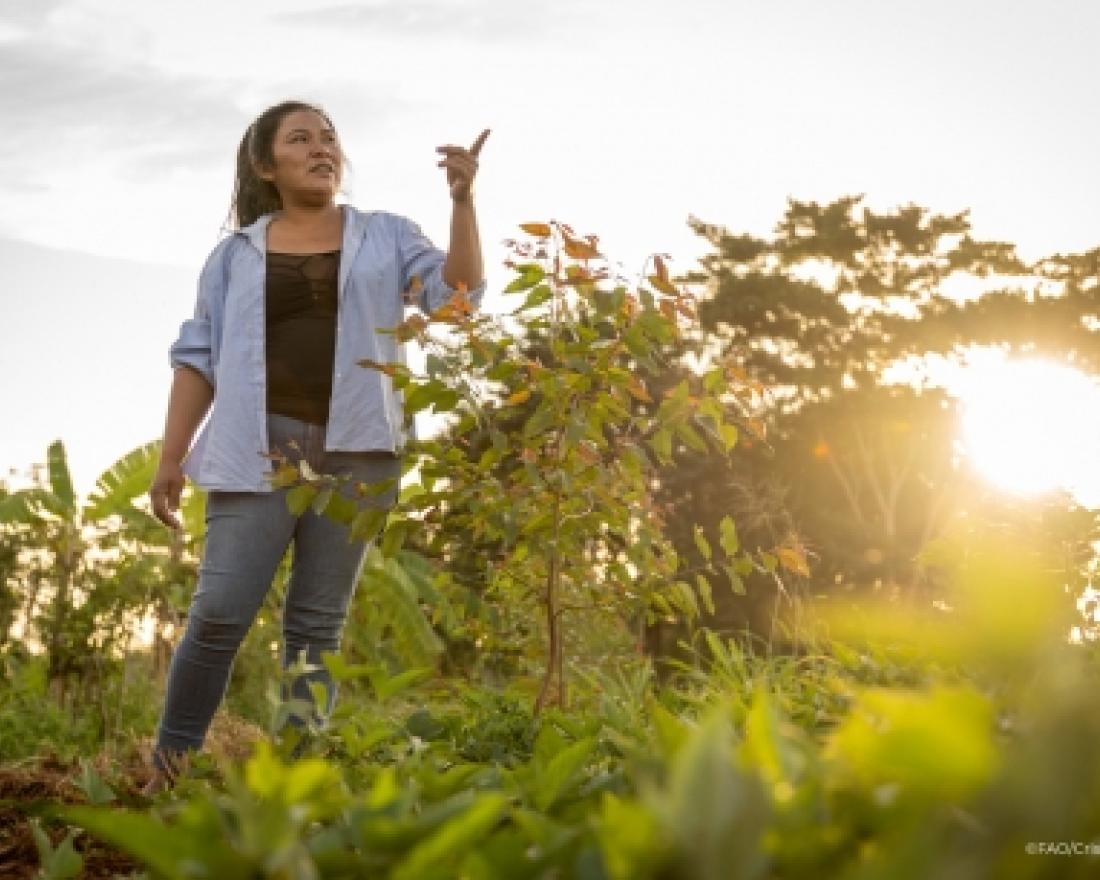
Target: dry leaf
[(663, 285), (388, 369), (579, 250), (411, 327), (638, 390), (793, 559), (758, 427)]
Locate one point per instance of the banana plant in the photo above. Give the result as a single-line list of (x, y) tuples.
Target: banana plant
[(93, 560)]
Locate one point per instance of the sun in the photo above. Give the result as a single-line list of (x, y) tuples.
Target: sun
[(1033, 426)]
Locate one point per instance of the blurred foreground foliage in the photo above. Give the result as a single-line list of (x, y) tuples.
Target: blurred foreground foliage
[(891, 746)]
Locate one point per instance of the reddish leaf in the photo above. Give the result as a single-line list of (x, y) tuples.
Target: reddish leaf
[(579, 250), (457, 308)]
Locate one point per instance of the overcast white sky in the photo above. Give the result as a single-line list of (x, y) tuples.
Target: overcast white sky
[(121, 119)]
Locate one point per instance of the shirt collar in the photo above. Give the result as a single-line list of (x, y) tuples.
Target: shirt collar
[(354, 225), (256, 232)]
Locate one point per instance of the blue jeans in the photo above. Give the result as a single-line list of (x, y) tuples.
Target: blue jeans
[(247, 535)]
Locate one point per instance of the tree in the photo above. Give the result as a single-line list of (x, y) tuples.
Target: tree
[(862, 466), (546, 476)]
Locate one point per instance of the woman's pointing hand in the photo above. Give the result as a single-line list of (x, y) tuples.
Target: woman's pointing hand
[(461, 165)]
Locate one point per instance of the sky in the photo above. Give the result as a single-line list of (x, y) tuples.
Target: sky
[(622, 118)]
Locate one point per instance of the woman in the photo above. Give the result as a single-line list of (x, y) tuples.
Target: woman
[(286, 306)]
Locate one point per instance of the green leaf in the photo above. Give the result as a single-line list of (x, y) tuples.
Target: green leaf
[(424, 725), (91, 783), (368, 522), (635, 340), (701, 542), (714, 380), (764, 746), (410, 491), (394, 537), (446, 400), (437, 786), (532, 274), (299, 498), (60, 863), (285, 475), (360, 742), (313, 782), (453, 838), (938, 746), (728, 536), (544, 417), (736, 584), (61, 483), (630, 838), (386, 687), (321, 500), (168, 851), (691, 437), (729, 435), (501, 371), (547, 744), (536, 298), (703, 587), (341, 670), (563, 770), (714, 813), (434, 365), (397, 601), (670, 730), (417, 398), (661, 443), (341, 509), (126, 479)]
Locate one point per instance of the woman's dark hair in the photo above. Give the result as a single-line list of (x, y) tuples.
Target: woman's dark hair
[(252, 195)]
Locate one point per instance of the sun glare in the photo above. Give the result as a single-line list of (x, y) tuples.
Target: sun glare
[(1033, 426)]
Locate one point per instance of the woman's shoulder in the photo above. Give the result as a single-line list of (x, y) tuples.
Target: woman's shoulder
[(224, 249), (215, 273)]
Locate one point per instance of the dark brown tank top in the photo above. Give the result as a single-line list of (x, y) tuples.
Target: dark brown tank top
[(301, 303)]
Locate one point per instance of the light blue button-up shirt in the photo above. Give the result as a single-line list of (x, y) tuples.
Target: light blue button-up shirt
[(225, 341)]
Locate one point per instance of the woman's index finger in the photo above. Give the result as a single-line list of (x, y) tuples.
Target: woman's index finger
[(476, 148)]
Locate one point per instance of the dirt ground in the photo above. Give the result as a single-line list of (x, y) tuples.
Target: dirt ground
[(27, 786), (48, 780)]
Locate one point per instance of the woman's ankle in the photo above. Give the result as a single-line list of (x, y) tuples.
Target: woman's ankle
[(171, 763)]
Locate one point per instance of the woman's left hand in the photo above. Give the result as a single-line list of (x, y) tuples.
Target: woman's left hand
[(461, 165)]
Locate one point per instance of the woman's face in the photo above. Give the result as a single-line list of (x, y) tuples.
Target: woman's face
[(308, 159)]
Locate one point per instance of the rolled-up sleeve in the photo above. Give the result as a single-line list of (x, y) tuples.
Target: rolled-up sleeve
[(194, 345), (421, 258)]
